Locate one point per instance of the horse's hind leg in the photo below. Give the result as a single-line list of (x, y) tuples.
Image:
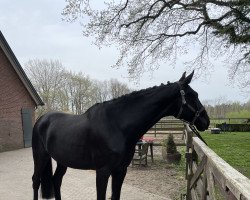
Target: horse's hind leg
[(40, 162), (57, 180), (36, 184)]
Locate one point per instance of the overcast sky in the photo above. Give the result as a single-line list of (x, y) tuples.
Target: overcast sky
[(35, 29)]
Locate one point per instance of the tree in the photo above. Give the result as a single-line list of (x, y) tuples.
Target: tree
[(80, 92), (148, 31), (66, 91), (47, 77), (100, 91), (221, 108), (117, 88)]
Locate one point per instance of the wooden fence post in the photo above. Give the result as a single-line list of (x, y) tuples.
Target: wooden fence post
[(189, 160)]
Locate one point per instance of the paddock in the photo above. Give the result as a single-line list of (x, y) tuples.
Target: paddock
[(16, 168), (208, 176)]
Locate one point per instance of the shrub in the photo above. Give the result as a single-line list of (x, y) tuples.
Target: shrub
[(170, 144)]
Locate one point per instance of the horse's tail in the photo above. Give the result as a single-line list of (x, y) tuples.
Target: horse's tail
[(43, 173), (47, 187)]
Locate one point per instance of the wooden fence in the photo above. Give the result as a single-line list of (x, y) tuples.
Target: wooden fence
[(209, 177), (166, 126)]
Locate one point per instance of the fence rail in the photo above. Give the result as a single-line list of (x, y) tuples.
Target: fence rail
[(208, 176), (166, 126)]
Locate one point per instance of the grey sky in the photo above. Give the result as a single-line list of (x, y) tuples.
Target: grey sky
[(34, 29)]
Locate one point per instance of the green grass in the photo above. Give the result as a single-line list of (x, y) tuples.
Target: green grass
[(233, 147)]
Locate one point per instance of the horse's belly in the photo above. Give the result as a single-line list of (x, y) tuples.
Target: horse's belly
[(79, 164), (78, 152), (76, 163), (79, 159)]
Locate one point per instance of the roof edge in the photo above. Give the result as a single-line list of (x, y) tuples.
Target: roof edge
[(19, 70)]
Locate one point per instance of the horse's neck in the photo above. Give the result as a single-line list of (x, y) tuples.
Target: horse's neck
[(137, 114)]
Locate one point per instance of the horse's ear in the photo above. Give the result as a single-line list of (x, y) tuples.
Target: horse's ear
[(188, 79), (183, 77)]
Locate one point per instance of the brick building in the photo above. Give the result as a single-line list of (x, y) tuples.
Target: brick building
[(18, 101)]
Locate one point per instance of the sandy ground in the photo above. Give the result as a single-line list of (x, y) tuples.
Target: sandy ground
[(158, 177)]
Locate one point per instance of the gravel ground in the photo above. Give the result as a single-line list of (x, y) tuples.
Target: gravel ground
[(158, 177)]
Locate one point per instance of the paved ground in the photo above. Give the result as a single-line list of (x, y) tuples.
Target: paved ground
[(16, 168)]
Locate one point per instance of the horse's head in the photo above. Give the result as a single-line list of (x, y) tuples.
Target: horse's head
[(189, 105)]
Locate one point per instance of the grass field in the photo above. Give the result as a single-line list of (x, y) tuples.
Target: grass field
[(233, 147)]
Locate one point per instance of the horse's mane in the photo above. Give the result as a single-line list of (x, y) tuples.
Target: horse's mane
[(133, 94)]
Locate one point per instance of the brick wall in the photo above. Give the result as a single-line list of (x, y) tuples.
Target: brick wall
[(13, 97)]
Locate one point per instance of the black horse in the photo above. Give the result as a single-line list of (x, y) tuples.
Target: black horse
[(104, 138)]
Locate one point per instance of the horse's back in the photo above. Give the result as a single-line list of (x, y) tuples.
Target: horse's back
[(58, 123)]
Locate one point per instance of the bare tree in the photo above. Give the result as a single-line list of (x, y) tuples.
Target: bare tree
[(67, 91), (101, 91), (148, 31), (63, 96), (80, 90), (117, 88), (47, 77), (222, 108)]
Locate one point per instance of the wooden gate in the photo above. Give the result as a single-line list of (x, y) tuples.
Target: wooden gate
[(209, 177), (27, 126)]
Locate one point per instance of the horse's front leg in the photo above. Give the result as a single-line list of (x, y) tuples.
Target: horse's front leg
[(102, 176), (117, 181)]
